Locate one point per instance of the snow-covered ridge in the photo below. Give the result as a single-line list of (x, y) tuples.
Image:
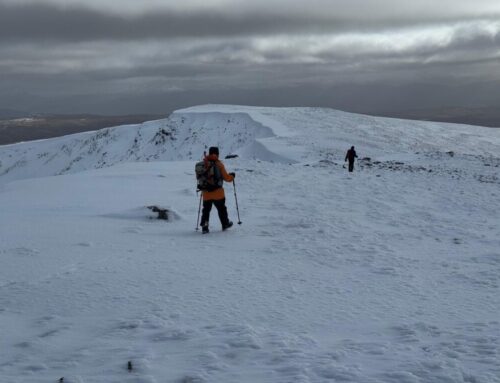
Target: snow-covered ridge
[(179, 137), (269, 134)]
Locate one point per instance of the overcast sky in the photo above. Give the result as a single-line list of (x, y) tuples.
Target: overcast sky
[(152, 56)]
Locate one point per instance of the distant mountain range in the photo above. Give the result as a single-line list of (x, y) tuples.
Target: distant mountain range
[(11, 113), (482, 116), (20, 126)]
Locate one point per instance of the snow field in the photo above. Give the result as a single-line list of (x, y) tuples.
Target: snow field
[(390, 274), (339, 278)]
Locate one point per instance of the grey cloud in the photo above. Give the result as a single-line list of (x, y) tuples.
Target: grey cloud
[(473, 48), (221, 64), (213, 59), (42, 21), (171, 71), (474, 38), (47, 22)]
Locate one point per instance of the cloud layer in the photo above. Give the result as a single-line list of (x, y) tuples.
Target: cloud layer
[(45, 21), (51, 54)]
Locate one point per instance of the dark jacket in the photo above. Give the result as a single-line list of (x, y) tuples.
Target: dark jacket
[(351, 155)]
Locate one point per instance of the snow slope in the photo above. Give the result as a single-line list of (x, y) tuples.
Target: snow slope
[(390, 274), (271, 134)]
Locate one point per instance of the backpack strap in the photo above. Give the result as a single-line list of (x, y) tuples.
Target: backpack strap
[(217, 174)]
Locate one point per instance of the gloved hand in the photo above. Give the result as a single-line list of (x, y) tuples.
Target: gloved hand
[(233, 174)]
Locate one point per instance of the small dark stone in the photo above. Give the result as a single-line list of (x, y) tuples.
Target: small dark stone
[(129, 365), (229, 156), (61, 380)]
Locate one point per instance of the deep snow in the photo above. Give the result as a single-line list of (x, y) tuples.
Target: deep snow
[(390, 274)]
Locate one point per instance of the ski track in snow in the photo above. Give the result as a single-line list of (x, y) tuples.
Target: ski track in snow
[(390, 274)]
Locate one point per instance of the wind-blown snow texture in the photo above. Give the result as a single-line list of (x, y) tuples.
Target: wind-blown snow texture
[(390, 274)]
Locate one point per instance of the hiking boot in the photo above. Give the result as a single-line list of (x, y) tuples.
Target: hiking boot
[(227, 225), (204, 229)]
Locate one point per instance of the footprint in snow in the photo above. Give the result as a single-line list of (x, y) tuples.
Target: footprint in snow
[(173, 335), (21, 251), (84, 244), (132, 230)]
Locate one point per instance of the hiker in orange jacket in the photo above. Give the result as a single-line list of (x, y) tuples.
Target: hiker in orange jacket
[(217, 196)]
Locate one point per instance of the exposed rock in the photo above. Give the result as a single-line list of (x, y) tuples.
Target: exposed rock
[(162, 212)]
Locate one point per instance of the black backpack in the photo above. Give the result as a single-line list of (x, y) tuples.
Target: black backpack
[(208, 175)]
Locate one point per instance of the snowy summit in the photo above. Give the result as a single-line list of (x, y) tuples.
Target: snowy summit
[(390, 273)]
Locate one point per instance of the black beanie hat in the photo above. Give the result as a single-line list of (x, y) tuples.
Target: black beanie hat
[(213, 150)]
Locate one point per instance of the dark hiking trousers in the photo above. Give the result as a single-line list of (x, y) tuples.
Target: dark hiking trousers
[(220, 204), (351, 166)]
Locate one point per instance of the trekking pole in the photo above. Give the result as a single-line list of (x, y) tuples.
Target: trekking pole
[(199, 209), (236, 199)]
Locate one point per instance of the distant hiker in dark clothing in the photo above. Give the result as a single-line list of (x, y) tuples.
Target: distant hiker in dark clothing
[(351, 155), (215, 195)]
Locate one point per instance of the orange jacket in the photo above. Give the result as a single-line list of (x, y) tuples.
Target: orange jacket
[(218, 193)]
